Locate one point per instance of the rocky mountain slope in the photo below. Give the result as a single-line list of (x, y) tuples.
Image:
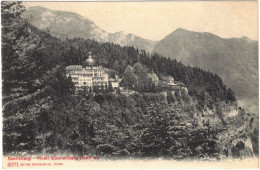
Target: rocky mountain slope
[(235, 60), (70, 25)]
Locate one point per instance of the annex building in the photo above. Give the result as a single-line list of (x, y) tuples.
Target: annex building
[(88, 75)]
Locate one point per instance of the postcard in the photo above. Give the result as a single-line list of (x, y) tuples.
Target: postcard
[(151, 84)]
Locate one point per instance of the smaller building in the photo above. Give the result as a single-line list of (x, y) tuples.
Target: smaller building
[(169, 80), (154, 78), (114, 83)]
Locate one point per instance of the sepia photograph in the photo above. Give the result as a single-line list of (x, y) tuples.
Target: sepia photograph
[(149, 84)]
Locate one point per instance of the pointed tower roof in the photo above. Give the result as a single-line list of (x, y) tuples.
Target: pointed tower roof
[(90, 61)]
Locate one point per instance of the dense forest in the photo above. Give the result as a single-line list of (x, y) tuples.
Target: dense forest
[(118, 58), (42, 114)]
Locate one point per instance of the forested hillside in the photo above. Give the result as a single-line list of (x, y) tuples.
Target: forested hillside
[(118, 58), (42, 114), (235, 60)]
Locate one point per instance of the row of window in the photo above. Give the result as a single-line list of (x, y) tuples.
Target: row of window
[(89, 84), (88, 75)]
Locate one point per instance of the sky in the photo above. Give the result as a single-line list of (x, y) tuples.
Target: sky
[(155, 20)]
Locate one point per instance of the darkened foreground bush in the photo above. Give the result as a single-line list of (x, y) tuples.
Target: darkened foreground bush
[(135, 126)]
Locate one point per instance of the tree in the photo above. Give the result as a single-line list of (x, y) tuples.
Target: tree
[(61, 85), (90, 91), (118, 91), (110, 88), (102, 88), (153, 87), (230, 95), (18, 51), (96, 89), (129, 78), (141, 72), (15, 33)]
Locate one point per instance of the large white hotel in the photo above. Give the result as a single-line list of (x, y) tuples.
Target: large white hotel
[(88, 75)]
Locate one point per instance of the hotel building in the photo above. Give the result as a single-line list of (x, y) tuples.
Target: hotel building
[(87, 75)]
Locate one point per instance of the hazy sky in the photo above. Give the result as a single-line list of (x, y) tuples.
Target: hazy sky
[(155, 20)]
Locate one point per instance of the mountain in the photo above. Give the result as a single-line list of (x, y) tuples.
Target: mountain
[(235, 60), (130, 39), (70, 25)]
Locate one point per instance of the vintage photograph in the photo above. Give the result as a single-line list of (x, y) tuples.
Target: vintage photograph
[(86, 82)]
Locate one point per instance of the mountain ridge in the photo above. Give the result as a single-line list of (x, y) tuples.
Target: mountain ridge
[(63, 24)]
